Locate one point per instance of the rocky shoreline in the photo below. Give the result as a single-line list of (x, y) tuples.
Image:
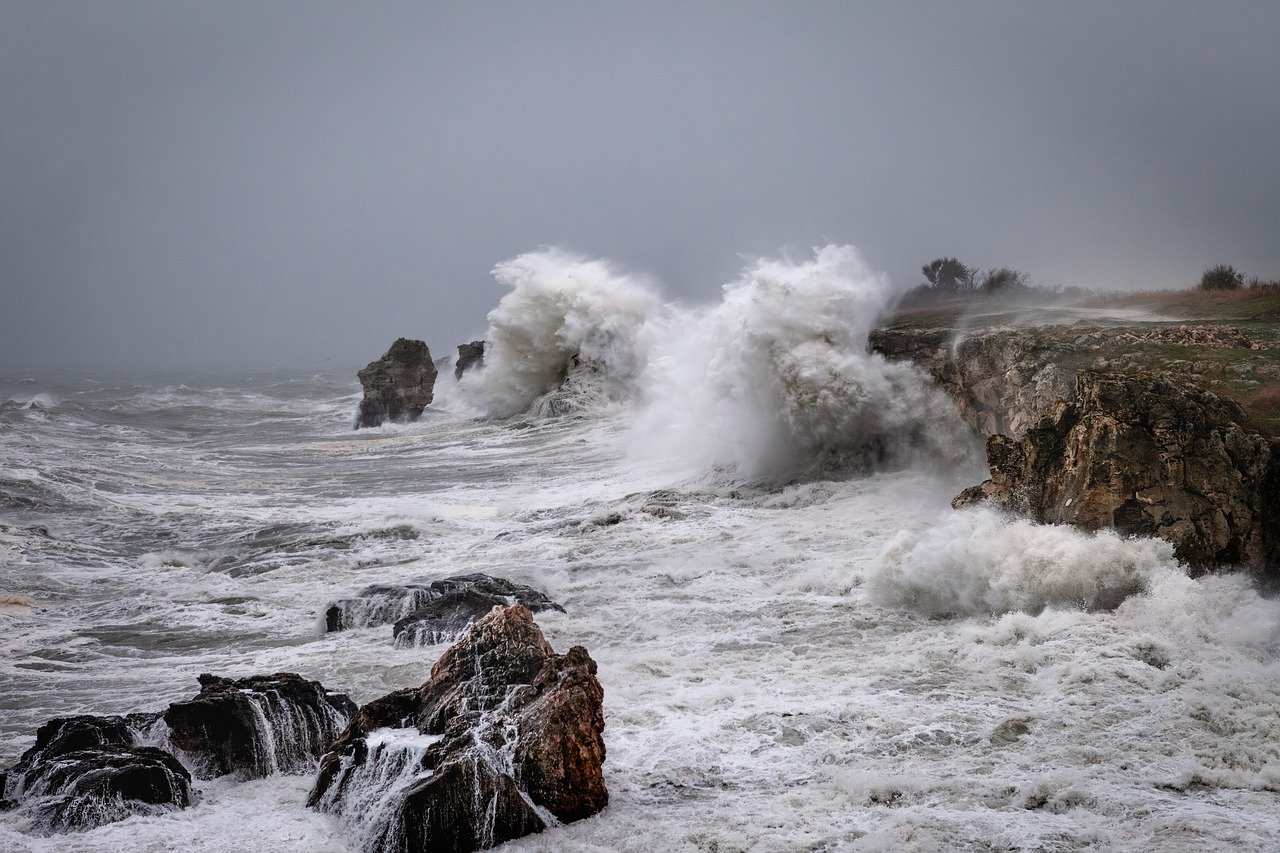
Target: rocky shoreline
[(503, 740)]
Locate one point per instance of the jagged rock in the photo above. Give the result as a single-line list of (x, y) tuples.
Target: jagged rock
[(258, 726), (386, 604), (86, 771), (503, 740), (1148, 456), (397, 386), (470, 356)]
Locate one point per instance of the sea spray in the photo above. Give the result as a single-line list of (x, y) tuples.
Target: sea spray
[(776, 382), (569, 322), (981, 561)]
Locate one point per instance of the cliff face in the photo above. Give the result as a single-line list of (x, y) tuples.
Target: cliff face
[(1069, 443)]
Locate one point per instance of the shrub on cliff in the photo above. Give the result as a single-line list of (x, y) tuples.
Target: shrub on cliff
[(1222, 277)]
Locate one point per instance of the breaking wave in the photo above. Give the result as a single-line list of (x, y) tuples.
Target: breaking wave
[(776, 381), (981, 561), (568, 333)]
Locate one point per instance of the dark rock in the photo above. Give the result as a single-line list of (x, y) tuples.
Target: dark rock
[(258, 726), (503, 740), (397, 386), (470, 356), (1146, 456), (379, 604), (385, 604), (85, 772), (461, 601)]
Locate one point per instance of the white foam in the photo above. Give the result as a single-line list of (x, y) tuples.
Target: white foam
[(982, 561)]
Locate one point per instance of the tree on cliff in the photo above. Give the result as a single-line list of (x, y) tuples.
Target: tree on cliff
[(1222, 277), (949, 275)]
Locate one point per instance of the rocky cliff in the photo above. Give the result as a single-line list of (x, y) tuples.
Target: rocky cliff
[(1115, 427)]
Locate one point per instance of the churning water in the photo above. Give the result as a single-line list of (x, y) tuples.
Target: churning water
[(747, 519)]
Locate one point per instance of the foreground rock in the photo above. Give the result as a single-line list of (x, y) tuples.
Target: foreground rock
[(84, 772), (1152, 457), (470, 357), (431, 612), (505, 739), (398, 386), (258, 726)]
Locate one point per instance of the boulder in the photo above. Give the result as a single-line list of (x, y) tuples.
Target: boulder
[(258, 726), (397, 386), (1147, 456), (84, 772), (444, 606), (470, 356), (505, 739)]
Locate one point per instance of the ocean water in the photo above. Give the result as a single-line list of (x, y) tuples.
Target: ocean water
[(747, 519)]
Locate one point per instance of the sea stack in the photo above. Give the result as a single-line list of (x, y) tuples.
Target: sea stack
[(469, 356), (397, 386)]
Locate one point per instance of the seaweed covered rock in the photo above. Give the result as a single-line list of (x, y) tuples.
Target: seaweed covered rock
[(258, 726), (470, 357), (505, 739), (84, 772), (1146, 456), (433, 612), (398, 386)]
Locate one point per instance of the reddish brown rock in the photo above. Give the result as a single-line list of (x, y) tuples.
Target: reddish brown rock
[(505, 739)]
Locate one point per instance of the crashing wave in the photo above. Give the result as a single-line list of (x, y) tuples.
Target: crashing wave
[(776, 381), (984, 562), (569, 333)]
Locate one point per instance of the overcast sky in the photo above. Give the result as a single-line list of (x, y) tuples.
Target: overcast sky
[(215, 183)]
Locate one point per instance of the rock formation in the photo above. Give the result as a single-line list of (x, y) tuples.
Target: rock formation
[(438, 609), (470, 356), (397, 386), (257, 726), (505, 739), (1143, 451), (85, 771), (1152, 457)]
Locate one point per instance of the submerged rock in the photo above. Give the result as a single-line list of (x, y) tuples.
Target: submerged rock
[(505, 739), (258, 726), (444, 607), (397, 386), (470, 356), (84, 772), (1146, 456)]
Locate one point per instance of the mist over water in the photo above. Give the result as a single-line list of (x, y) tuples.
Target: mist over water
[(747, 519)]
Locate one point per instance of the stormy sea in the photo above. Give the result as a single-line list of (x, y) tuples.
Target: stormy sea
[(747, 520)]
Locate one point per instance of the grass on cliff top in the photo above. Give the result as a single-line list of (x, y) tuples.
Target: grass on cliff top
[(1260, 306), (1250, 377)]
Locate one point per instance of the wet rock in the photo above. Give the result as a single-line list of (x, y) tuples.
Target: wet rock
[(397, 386), (258, 726), (1009, 731), (1146, 456), (461, 601), (470, 357), (386, 604), (379, 604), (505, 739), (84, 772)]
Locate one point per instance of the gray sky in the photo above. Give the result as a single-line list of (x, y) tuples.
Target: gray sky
[(218, 183)]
